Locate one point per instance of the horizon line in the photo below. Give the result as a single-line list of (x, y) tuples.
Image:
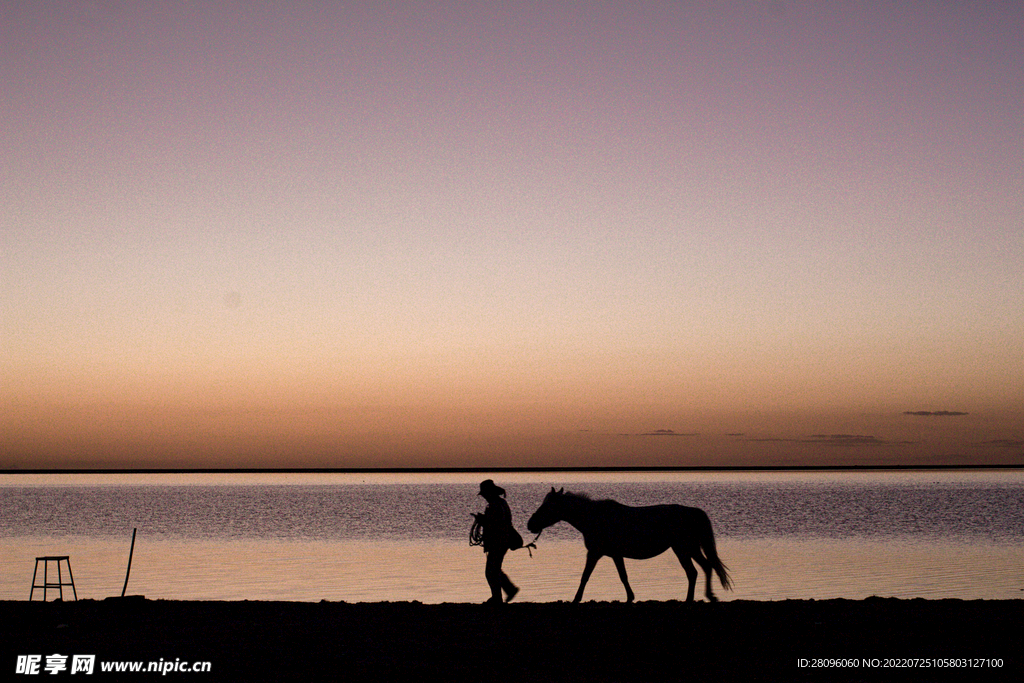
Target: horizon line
[(511, 470)]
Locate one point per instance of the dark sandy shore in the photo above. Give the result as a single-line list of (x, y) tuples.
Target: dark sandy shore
[(887, 639)]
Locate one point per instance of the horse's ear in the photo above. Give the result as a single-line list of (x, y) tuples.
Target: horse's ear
[(553, 489), (561, 490)]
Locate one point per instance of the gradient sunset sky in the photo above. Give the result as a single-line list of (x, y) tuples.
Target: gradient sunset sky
[(511, 234)]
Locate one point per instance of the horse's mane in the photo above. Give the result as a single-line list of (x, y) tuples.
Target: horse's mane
[(583, 496)]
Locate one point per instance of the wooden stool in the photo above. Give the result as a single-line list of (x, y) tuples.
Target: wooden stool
[(59, 585)]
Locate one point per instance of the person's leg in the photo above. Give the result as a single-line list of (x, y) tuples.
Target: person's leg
[(510, 588), (493, 573)]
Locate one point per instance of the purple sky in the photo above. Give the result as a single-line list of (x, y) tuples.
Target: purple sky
[(447, 233)]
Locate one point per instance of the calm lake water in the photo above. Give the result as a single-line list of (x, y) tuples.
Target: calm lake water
[(405, 537)]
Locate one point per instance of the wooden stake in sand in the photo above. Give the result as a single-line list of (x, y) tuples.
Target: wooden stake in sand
[(130, 553)]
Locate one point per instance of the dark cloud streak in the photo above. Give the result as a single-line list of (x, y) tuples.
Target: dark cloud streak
[(934, 413), (667, 432), (832, 439)]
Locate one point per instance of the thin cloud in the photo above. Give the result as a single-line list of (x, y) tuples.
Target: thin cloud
[(934, 413), (667, 432), (844, 438), (834, 439)]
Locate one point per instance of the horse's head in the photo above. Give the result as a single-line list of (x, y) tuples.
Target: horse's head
[(548, 513)]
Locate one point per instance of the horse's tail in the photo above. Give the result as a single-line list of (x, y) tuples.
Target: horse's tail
[(707, 544)]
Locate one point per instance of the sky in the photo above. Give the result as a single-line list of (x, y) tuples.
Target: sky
[(451, 234)]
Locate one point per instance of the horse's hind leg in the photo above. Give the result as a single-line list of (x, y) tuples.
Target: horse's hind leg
[(706, 566), (621, 566), (691, 572), (592, 559)]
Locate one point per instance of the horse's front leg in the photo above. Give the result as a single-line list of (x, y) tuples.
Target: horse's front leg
[(592, 559), (621, 566)]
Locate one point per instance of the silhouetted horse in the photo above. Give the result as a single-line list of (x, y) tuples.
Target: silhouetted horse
[(618, 531)]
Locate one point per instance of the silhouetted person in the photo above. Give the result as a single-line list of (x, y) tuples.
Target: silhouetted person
[(498, 535)]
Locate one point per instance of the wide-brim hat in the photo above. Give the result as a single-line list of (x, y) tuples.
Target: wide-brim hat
[(488, 487)]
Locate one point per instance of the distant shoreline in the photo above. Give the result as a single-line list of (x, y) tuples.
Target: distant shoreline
[(516, 470), (873, 639)]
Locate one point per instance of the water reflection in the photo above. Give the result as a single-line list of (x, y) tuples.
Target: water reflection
[(755, 507), (434, 572), (335, 537)]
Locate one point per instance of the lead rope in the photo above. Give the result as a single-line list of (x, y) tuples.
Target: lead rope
[(533, 543), (476, 533), (476, 537)]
